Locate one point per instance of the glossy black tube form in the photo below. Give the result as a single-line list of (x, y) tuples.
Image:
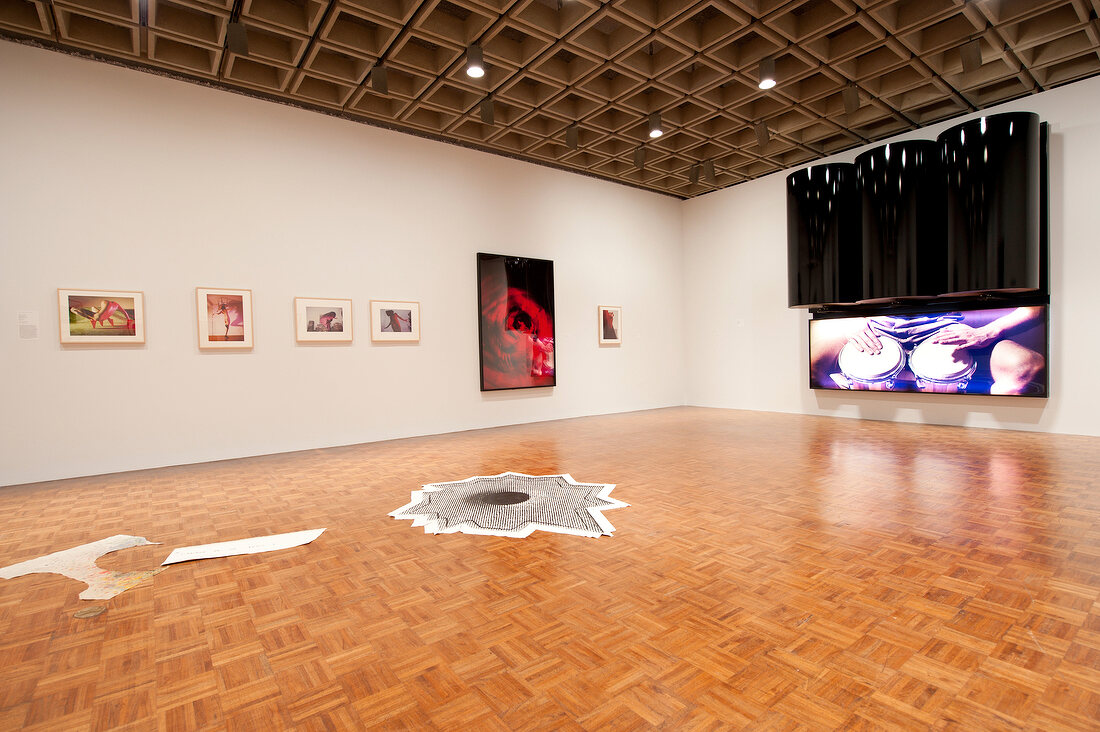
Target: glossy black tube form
[(904, 247), (824, 248), (992, 169)]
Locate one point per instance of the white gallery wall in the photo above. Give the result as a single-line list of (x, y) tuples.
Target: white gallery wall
[(747, 350), (116, 179)]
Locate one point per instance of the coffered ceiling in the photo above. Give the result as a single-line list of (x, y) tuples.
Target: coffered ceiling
[(604, 67)]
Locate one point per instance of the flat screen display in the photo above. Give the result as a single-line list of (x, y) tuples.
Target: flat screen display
[(991, 351)]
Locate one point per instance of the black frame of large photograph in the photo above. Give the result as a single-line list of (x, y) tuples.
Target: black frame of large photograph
[(516, 347)]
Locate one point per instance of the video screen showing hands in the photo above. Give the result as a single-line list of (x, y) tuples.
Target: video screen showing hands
[(993, 351)]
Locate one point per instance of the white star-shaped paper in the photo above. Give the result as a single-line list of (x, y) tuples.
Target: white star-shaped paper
[(512, 504)]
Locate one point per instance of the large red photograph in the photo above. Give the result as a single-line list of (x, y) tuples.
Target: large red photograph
[(516, 305)]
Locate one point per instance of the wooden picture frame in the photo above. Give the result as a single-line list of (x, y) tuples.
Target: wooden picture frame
[(224, 318), (322, 320), (609, 323), (389, 320), (101, 317)]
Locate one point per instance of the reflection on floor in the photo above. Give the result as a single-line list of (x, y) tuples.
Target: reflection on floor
[(773, 571)]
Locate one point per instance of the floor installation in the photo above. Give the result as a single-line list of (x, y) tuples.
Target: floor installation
[(771, 572)]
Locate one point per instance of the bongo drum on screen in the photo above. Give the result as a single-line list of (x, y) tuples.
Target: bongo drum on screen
[(872, 371), (941, 368)]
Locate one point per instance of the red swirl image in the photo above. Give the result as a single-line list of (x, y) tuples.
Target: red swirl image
[(517, 337)]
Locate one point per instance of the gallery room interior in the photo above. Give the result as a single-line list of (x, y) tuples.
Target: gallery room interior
[(249, 253)]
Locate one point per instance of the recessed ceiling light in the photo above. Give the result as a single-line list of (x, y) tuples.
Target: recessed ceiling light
[(475, 62), (655, 125), (767, 73)]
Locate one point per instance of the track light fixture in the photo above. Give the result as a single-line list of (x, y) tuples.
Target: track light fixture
[(708, 172), (851, 99), (488, 113), (767, 73), (693, 174), (762, 134), (237, 38), (639, 157), (571, 136), (380, 80), (655, 125), (971, 54), (475, 62)]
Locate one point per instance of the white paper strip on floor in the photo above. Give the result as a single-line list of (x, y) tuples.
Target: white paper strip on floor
[(78, 563), (254, 545)]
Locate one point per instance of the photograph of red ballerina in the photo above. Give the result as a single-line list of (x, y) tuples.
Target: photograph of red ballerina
[(516, 326), (224, 318)]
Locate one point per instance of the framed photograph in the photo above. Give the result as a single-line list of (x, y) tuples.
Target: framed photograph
[(394, 320), (611, 324), (516, 322), (101, 316), (224, 318), (322, 320)]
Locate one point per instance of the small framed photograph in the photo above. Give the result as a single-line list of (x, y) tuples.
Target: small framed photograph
[(224, 318), (394, 320), (611, 324), (322, 320), (101, 316)]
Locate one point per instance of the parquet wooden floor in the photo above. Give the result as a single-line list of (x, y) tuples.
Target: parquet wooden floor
[(773, 572)]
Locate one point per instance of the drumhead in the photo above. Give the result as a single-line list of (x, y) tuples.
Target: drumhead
[(940, 362), (864, 366)]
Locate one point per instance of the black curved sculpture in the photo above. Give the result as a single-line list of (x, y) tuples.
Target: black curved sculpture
[(904, 248), (992, 175), (824, 244)]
